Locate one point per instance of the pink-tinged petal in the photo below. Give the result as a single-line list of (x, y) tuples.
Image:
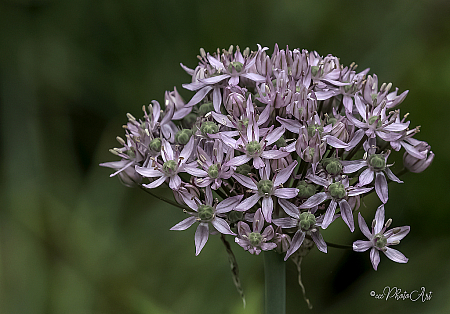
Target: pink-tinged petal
[(284, 174), (381, 187), (268, 233), (184, 224), (328, 218), (237, 161), (245, 181), (248, 203), (187, 150), (379, 219), (198, 96), (375, 258), (285, 222), (155, 183), (175, 182), (285, 193), (254, 77), (291, 125), (366, 176), (222, 226), (395, 255), (243, 228), (258, 221), (228, 204), (391, 237), (234, 80), (319, 241), (353, 165), (258, 163), (203, 182), (335, 142), (267, 208), (167, 151), (296, 242), (273, 136), (363, 227), (362, 246), (222, 119), (392, 176), (274, 154), (148, 172), (194, 171), (314, 200), (289, 208), (201, 236), (346, 214), (267, 246)]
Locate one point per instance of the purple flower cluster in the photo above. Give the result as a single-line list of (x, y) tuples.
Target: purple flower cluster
[(287, 143)]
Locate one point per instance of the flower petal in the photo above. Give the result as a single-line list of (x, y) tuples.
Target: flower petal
[(267, 208), (375, 258), (314, 200), (222, 226), (297, 241), (228, 204), (319, 241), (245, 181), (248, 203), (328, 218), (201, 236), (379, 219), (289, 208), (381, 187), (363, 227), (395, 255), (286, 193), (284, 174), (184, 224), (346, 214), (361, 245)]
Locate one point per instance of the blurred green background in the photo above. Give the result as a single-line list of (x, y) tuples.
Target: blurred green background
[(74, 240)]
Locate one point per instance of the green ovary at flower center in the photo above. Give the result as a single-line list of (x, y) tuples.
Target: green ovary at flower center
[(170, 166), (337, 190), (155, 145), (255, 238), (305, 189), (380, 241), (307, 221), (183, 136), (313, 128), (265, 186), (209, 127), (205, 212), (253, 148), (237, 65), (213, 171), (332, 165), (374, 119), (377, 161)]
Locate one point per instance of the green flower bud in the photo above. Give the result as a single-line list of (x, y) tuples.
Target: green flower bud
[(205, 108), (170, 166), (205, 212), (337, 190), (305, 189), (332, 165), (306, 221), (312, 129), (244, 169), (265, 186), (189, 121), (209, 127), (235, 216), (374, 119), (183, 136), (380, 240), (253, 148), (255, 238), (155, 145), (377, 162), (332, 120), (237, 65), (213, 171), (281, 142)]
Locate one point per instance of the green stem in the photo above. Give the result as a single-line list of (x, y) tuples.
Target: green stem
[(275, 283)]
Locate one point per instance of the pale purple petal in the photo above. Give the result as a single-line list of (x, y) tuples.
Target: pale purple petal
[(228, 141), (267, 246), (201, 236), (348, 103), (289, 208), (258, 163), (248, 203), (237, 161), (358, 191), (346, 214), (381, 187), (184, 224), (285, 222), (396, 127), (234, 80), (357, 137), (362, 246), (215, 79), (195, 171), (314, 200), (187, 150), (273, 136), (148, 172), (267, 208), (258, 221), (286, 193), (245, 181), (335, 142), (328, 218), (366, 177), (222, 119), (353, 165), (391, 237), (268, 233), (155, 183), (228, 204), (319, 241), (392, 176), (198, 96), (395, 255), (375, 258), (379, 219), (284, 174), (363, 227), (254, 77), (318, 180), (215, 63), (175, 182), (292, 125), (243, 228), (167, 152), (222, 226), (296, 242)]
